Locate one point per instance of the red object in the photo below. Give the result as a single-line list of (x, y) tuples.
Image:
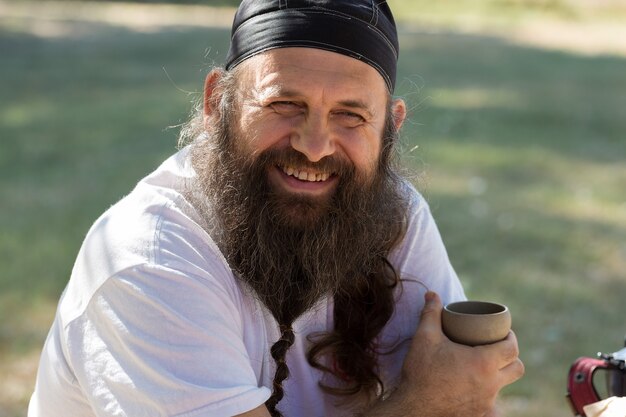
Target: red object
[(580, 389)]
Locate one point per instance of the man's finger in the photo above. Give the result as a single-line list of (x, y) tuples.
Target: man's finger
[(512, 372), (432, 306), (430, 320), (504, 352)]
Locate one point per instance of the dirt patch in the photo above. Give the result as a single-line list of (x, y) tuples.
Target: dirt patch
[(17, 383), (587, 37)]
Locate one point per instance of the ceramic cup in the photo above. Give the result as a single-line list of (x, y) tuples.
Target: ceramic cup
[(476, 323)]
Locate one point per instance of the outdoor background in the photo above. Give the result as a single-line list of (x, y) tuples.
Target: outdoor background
[(517, 130)]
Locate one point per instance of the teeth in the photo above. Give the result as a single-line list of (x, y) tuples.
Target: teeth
[(306, 176)]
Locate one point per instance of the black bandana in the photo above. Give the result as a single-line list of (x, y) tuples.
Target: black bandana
[(361, 29)]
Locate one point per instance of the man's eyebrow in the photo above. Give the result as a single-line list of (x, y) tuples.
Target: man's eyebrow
[(355, 104), (278, 91)]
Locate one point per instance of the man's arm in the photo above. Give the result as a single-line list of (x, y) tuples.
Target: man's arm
[(444, 379)]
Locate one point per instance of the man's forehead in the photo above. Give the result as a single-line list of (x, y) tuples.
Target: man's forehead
[(291, 71)]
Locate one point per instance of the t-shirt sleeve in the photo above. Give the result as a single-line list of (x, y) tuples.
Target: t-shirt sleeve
[(154, 341)]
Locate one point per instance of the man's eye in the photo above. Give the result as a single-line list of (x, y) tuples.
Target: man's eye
[(350, 118), (286, 107)]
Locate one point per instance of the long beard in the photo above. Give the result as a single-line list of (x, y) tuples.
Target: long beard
[(293, 250)]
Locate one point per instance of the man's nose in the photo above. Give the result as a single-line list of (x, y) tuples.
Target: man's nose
[(314, 138)]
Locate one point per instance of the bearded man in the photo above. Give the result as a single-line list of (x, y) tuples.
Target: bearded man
[(278, 264)]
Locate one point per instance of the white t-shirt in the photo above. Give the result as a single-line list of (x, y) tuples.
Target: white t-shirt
[(153, 322)]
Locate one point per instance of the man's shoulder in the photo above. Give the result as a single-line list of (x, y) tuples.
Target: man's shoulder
[(416, 201), (154, 226), (154, 219)]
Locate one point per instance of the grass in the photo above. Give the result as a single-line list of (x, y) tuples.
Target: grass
[(525, 153), (521, 151)]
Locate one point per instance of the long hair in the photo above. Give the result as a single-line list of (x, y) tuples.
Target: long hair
[(349, 352), (351, 348)]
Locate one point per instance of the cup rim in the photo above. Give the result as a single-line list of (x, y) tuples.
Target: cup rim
[(498, 308)]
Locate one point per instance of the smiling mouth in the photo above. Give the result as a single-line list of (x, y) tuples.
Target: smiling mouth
[(304, 175)]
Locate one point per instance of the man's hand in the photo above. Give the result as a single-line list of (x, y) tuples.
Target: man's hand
[(441, 378)]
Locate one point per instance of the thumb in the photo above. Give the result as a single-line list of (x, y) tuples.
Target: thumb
[(430, 319)]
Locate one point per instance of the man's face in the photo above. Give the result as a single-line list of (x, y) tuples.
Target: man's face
[(317, 111), (292, 177)]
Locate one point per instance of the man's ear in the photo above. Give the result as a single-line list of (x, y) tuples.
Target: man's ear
[(398, 111), (211, 93)]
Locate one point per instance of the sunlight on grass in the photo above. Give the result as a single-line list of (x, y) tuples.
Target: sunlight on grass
[(16, 116), (470, 98), (580, 26), (49, 19), (505, 12)]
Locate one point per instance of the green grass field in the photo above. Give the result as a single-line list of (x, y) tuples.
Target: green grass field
[(520, 150)]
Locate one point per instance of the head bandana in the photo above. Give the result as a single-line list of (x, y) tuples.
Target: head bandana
[(361, 29)]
